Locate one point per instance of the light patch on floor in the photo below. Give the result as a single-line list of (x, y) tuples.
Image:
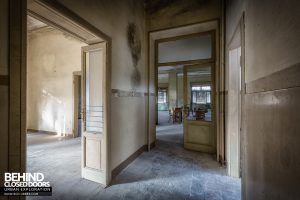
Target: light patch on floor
[(166, 172)]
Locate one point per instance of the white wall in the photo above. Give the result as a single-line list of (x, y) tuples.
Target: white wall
[(128, 130), (52, 58)]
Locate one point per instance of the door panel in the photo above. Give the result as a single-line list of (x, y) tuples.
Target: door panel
[(94, 136), (234, 112), (199, 123), (199, 136)]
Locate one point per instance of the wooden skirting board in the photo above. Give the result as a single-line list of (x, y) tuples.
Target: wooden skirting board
[(46, 132)]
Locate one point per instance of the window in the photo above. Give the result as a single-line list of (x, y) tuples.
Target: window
[(162, 95), (201, 94)]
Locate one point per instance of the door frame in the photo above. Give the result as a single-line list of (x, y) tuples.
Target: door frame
[(68, 16), (152, 36), (240, 29), (212, 33), (76, 75)]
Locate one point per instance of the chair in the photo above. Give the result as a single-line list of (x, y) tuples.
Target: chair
[(177, 115), (200, 114)]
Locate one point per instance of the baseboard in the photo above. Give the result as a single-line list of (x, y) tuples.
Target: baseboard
[(152, 145), (45, 132), (131, 158), (126, 162)]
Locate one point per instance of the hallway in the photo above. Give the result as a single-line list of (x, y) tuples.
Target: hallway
[(167, 172)]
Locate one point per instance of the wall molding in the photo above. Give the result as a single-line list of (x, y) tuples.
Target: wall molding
[(283, 79)]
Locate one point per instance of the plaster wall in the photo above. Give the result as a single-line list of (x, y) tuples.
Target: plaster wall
[(52, 57), (128, 134), (270, 168)]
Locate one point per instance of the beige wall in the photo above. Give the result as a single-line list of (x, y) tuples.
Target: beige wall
[(270, 168), (52, 57), (128, 132)]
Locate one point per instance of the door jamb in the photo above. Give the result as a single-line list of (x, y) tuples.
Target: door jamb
[(216, 50), (240, 26)]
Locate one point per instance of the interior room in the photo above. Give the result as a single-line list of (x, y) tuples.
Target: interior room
[(186, 106), (151, 99), (53, 100), (169, 104)]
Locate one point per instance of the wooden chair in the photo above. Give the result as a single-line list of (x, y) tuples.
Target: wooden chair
[(177, 115), (200, 114)]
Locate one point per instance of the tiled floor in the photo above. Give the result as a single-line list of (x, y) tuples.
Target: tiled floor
[(166, 172)]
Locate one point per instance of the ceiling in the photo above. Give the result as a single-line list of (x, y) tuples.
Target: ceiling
[(33, 24)]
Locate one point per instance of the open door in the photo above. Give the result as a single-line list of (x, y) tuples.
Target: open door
[(199, 120), (94, 111)]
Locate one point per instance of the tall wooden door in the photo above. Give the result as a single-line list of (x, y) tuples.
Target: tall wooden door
[(199, 120), (94, 130)]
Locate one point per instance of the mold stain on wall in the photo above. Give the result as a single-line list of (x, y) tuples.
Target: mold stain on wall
[(134, 44)]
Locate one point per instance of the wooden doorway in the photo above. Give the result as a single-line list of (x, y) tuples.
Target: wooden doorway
[(56, 15)]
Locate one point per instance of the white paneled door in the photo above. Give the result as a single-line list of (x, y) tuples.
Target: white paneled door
[(94, 134)]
